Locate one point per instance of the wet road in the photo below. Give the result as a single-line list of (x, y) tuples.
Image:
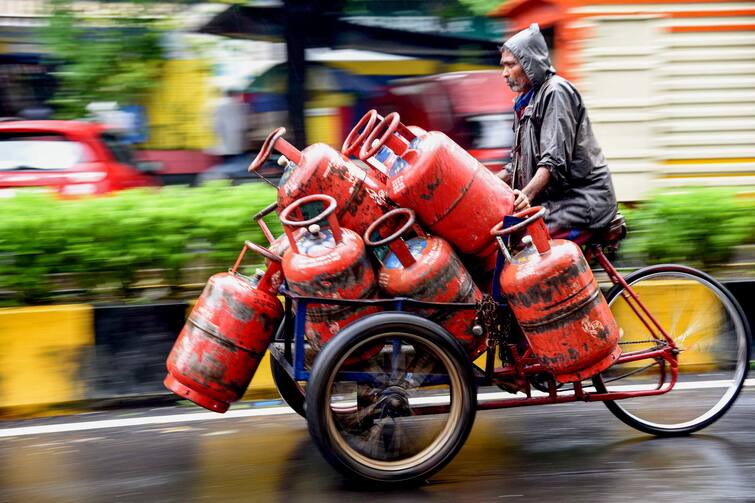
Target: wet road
[(571, 452)]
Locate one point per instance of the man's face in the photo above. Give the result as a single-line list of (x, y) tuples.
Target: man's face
[(514, 73)]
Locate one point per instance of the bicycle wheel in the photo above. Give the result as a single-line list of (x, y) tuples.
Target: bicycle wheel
[(399, 417), (711, 332), (291, 392)]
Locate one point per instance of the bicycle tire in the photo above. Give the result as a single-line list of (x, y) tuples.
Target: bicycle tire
[(716, 351)]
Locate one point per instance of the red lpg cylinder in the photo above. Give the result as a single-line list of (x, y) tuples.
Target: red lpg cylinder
[(327, 261), (452, 193), (228, 331), (320, 169), (558, 303), (384, 157), (426, 268)]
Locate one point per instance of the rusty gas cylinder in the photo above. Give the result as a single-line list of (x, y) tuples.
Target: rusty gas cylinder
[(452, 193), (320, 169), (227, 333), (384, 158), (326, 260), (557, 302), (426, 268)]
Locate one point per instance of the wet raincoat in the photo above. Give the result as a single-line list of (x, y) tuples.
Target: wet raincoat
[(554, 132)]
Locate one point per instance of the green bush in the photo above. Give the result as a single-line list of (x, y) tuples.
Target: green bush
[(698, 226), (106, 240), (102, 244)]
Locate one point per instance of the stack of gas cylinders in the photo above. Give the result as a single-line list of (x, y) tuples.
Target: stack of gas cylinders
[(398, 212)]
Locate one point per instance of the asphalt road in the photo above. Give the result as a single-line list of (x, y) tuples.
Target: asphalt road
[(260, 452)]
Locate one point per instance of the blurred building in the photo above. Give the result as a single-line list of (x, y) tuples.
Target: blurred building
[(24, 79), (670, 85), (341, 86), (195, 72)]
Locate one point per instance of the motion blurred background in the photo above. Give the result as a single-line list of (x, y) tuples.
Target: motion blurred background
[(670, 88)]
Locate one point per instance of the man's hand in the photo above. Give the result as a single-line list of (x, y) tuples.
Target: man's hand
[(521, 201), (524, 197)]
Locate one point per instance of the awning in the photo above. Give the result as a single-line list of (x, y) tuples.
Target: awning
[(329, 30)]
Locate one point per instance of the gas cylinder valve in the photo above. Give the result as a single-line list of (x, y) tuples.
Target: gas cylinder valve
[(329, 264)]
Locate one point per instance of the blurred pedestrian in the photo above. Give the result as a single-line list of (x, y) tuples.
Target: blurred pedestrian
[(231, 122), (557, 162)]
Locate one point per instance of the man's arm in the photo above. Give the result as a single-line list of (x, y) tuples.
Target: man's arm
[(506, 174), (557, 132), (558, 129), (528, 193)]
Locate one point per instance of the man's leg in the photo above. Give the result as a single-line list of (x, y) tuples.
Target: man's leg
[(579, 236)]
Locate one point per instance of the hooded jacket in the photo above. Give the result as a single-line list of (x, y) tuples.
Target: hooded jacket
[(554, 132)]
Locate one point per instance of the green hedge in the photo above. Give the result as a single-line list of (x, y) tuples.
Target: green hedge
[(696, 226), (103, 243), (106, 240)]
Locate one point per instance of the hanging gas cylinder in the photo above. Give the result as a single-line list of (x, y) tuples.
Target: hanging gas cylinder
[(227, 333), (320, 169), (452, 193), (326, 260), (557, 302), (384, 157), (426, 268)]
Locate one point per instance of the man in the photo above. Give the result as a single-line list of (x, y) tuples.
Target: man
[(557, 162), (231, 121)]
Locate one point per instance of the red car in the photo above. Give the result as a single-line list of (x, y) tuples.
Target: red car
[(474, 108), (71, 157)]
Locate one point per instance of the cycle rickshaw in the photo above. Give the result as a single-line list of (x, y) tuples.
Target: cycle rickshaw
[(402, 414)]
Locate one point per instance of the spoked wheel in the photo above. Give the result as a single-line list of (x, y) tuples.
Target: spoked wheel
[(400, 416), (712, 335), (291, 392)]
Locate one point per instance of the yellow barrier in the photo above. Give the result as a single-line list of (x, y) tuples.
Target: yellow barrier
[(688, 327), (263, 378), (45, 353), (49, 350)]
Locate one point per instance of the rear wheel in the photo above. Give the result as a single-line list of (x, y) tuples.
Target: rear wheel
[(291, 391), (708, 326), (402, 415)]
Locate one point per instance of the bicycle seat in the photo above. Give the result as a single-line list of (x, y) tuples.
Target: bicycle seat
[(610, 236)]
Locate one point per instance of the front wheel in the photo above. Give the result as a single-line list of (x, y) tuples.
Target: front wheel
[(400, 416), (711, 332)]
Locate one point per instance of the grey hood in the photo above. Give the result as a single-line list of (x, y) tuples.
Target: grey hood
[(528, 46)]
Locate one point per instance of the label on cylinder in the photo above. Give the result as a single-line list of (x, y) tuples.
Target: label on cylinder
[(397, 184), (415, 248), (398, 167)]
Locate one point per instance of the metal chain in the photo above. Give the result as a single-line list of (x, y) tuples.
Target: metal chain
[(487, 315), (646, 341)]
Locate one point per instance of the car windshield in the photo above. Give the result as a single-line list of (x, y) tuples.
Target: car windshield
[(118, 148), (38, 151), (491, 131)]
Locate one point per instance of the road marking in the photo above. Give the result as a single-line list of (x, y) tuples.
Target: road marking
[(141, 421), (222, 432), (268, 411)]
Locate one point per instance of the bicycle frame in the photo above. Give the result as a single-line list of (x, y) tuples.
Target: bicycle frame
[(524, 364)]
